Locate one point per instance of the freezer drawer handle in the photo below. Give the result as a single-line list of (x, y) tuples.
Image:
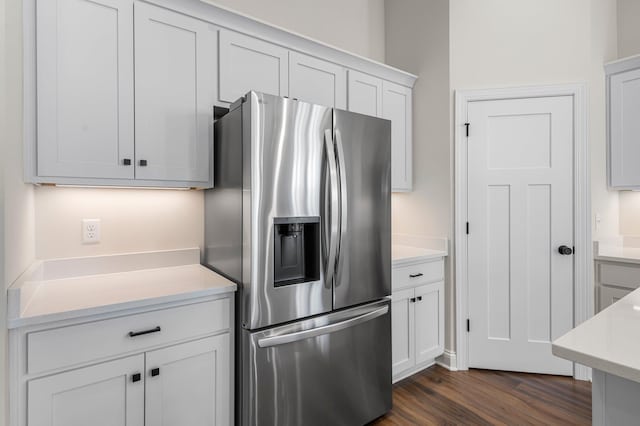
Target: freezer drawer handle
[(331, 328), (419, 274), (141, 333)]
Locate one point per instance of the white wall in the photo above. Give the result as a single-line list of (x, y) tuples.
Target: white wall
[(628, 28), (131, 220), (354, 25), (3, 294), (629, 45), (417, 40)]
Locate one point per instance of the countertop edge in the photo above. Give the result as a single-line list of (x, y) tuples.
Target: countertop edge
[(118, 308), (405, 261), (597, 363)]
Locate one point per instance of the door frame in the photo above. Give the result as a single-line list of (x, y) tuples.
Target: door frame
[(583, 271)]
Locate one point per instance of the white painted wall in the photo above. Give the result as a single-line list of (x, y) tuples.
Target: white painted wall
[(628, 28), (417, 40), (3, 157), (629, 45), (354, 25), (132, 220), (497, 43)]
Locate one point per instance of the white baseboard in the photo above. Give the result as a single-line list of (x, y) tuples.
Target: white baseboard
[(413, 370), (448, 361)]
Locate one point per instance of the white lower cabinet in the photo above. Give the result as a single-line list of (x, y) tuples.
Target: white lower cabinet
[(614, 280), (170, 367), (102, 394), (188, 384), (417, 326)]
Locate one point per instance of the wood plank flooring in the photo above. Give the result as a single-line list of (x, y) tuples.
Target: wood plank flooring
[(437, 396)]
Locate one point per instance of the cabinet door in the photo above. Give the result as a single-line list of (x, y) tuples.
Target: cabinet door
[(317, 81), (175, 93), (247, 63), (85, 88), (396, 106), (402, 331), (429, 319), (610, 295), (101, 395), (192, 384), (624, 128), (364, 94)]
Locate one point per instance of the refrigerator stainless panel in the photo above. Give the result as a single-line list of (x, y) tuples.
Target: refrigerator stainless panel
[(329, 370), (285, 167), (363, 146)]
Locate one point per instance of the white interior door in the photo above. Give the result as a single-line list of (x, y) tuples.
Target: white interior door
[(520, 211)]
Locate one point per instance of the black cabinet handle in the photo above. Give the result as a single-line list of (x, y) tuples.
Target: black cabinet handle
[(126, 161), (143, 163), (419, 274), (413, 300), (136, 377), (419, 298), (155, 372), (141, 333)]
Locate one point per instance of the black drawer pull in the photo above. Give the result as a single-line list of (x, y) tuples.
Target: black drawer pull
[(419, 274), (412, 300), (140, 333), (136, 377), (155, 372), (419, 298), (126, 161)]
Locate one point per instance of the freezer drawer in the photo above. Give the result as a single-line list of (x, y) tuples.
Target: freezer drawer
[(329, 370)]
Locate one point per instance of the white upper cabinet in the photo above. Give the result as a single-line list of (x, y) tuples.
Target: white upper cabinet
[(175, 79), (397, 107), (365, 94), (247, 63), (623, 85), (85, 88), (317, 81), (121, 92)]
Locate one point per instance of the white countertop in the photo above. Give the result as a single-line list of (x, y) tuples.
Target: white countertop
[(51, 291), (401, 254), (616, 253), (610, 341)]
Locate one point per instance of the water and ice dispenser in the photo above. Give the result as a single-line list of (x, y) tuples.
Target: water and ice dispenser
[(296, 250)]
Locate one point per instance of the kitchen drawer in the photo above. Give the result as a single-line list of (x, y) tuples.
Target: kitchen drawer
[(78, 344), (621, 276), (417, 274)]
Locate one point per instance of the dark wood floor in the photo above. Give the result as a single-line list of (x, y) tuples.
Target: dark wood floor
[(437, 396)]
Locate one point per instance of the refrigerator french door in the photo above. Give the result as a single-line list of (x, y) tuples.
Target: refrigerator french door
[(300, 219)]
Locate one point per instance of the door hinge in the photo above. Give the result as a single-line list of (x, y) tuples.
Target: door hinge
[(467, 128), (468, 325), (467, 228)]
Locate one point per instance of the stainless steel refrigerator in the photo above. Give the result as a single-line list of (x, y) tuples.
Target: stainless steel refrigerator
[(300, 219)]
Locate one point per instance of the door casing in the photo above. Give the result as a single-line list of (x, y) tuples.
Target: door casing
[(583, 296)]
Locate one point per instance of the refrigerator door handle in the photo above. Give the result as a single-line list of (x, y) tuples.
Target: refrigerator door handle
[(331, 223), (342, 171), (326, 329)]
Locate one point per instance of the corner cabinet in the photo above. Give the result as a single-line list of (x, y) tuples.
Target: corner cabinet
[(379, 98), (623, 125), (417, 316), (168, 366)]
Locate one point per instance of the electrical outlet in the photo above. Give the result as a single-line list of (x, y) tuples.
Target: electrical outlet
[(90, 231)]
